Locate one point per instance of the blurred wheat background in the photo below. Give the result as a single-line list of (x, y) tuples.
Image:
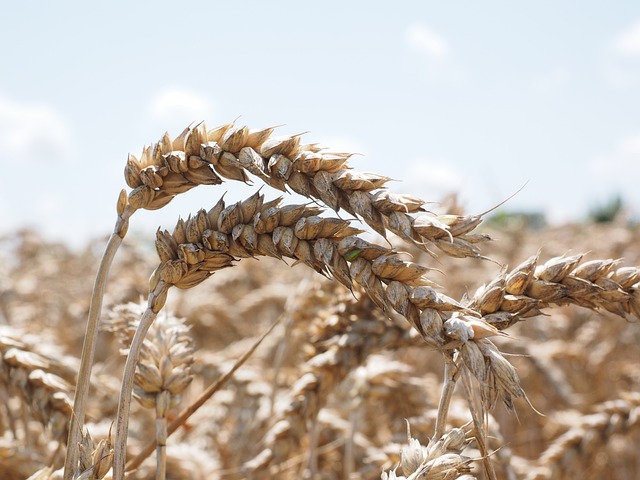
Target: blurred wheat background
[(459, 106), (579, 368)]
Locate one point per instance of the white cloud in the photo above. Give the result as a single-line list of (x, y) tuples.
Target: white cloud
[(627, 43), (624, 160), (427, 42), (180, 107), (551, 81), (341, 144), (432, 180), (33, 132), (618, 171)]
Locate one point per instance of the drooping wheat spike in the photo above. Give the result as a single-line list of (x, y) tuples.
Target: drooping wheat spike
[(29, 375), (164, 368), (211, 240), (571, 453), (528, 288), (198, 156), (95, 459), (440, 459)]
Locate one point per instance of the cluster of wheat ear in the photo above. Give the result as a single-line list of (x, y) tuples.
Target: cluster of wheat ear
[(370, 300)]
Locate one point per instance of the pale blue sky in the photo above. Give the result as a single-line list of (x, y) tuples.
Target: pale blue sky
[(478, 97)]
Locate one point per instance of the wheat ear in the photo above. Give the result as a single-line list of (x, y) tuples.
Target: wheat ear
[(567, 456), (33, 377), (210, 240), (440, 459), (530, 287), (164, 369), (231, 152), (346, 332)]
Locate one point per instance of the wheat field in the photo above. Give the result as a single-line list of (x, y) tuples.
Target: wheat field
[(360, 335)]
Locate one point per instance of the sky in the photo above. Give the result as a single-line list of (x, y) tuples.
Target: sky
[(477, 98)]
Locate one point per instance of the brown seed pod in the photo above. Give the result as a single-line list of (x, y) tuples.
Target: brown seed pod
[(247, 236), (196, 137), (176, 183), (172, 271), (166, 246), (360, 202), (216, 134), (191, 230), (178, 143), (301, 184), (555, 269), (474, 361), (547, 292), (430, 227), (149, 177), (361, 272), (594, 269), (257, 137), (176, 161), (216, 261), (397, 295), (503, 320), (266, 220), (518, 280), (210, 152), (387, 202), (323, 182), (290, 214), (333, 162), (190, 253), (518, 303), (348, 180), (402, 225), (457, 247), (123, 200), (431, 323), (425, 297), (229, 218), (488, 298), (307, 161), (582, 291), (626, 277), (234, 139), (287, 146), (215, 240), (352, 247), (253, 163), (202, 176), (285, 240), (141, 197), (280, 166), (504, 372), (193, 278), (304, 254)]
